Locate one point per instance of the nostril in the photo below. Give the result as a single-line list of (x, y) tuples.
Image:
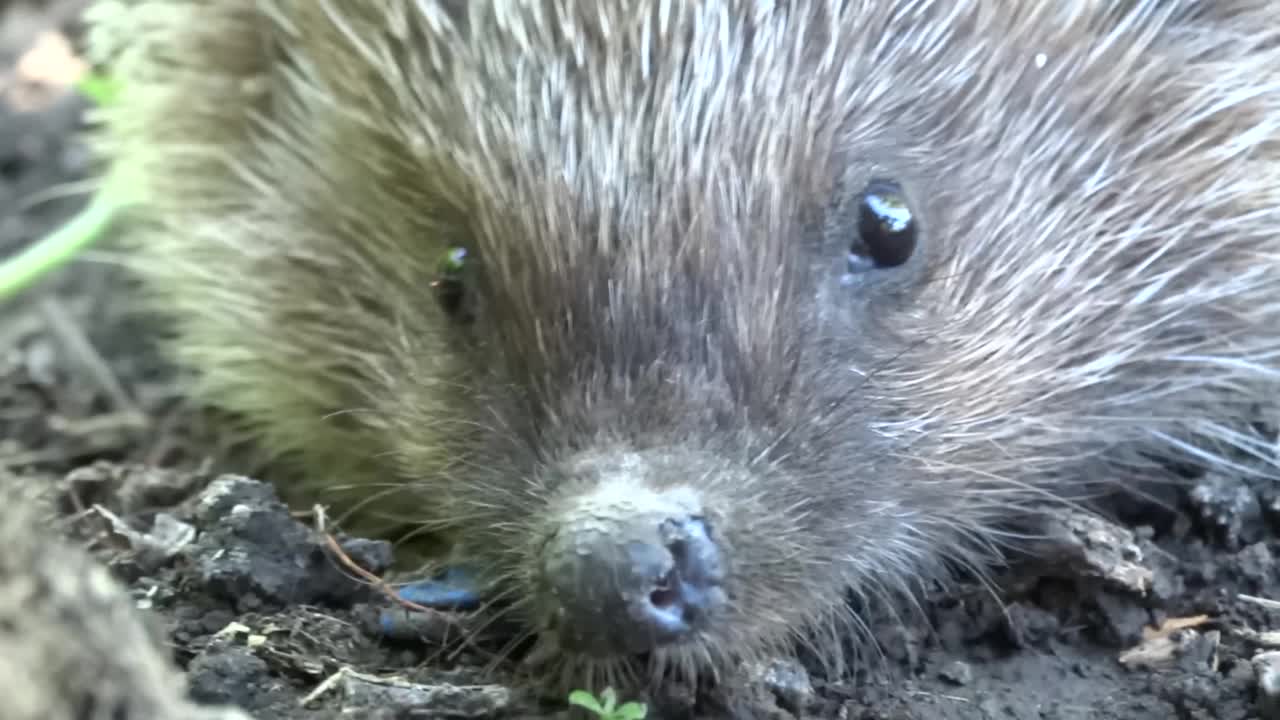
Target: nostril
[(665, 583), (679, 550), (666, 593)]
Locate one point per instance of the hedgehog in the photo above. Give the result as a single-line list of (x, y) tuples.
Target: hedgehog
[(692, 330)]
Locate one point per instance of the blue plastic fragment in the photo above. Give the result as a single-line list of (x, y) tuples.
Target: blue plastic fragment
[(451, 589)]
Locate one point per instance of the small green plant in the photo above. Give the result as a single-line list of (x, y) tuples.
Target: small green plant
[(100, 89), (607, 707), (59, 247)]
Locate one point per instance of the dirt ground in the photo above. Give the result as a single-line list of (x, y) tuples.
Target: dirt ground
[(1164, 617)]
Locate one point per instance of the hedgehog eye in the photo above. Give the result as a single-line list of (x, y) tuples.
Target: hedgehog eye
[(887, 228), (448, 285)]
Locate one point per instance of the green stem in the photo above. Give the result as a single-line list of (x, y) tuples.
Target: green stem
[(57, 248)]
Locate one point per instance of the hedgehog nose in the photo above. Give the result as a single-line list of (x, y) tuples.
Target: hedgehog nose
[(632, 586), (677, 584)]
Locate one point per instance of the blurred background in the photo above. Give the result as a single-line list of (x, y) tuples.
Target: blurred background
[(77, 384)]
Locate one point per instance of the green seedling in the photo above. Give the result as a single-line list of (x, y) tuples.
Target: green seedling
[(100, 89), (60, 246), (606, 706)]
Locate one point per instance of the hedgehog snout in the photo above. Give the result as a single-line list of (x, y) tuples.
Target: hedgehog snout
[(631, 577)]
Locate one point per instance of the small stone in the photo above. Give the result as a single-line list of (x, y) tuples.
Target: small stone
[(228, 675), (1266, 670), (255, 554), (376, 554), (1123, 618), (215, 620), (1187, 649), (788, 681), (226, 493), (957, 673), (1027, 626), (1230, 509), (1089, 547), (154, 548), (1256, 564)]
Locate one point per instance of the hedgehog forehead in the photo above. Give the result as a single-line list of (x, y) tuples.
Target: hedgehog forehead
[(654, 275), (625, 169), (638, 190), (580, 128), (642, 166)]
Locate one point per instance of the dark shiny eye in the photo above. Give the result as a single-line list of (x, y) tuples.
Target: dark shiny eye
[(887, 228), (448, 285)]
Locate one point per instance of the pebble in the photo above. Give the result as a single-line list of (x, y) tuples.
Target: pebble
[(1229, 506), (1266, 668), (252, 552), (957, 673), (789, 682)]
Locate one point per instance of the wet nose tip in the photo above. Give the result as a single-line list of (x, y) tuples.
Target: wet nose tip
[(683, 580), (657, 587)]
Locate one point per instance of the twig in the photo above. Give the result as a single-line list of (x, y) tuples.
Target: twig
[(74, 339), (382, 585), (324, 686), (1264, 602)]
